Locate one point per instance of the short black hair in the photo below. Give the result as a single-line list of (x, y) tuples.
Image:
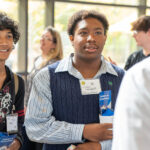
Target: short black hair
[(84, 14), (141, 24), (8, 23)]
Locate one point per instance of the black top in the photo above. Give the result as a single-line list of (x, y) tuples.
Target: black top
[(135, 58), (8, 99)]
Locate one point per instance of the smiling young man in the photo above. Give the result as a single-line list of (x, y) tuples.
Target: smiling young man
[(61, 110), (141, 33), (11, 103)]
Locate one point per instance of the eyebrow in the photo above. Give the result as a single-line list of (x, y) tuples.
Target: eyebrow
[(9, 32), (94, 29)]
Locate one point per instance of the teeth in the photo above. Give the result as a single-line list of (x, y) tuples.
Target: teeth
[(3, 50), (92, 47)]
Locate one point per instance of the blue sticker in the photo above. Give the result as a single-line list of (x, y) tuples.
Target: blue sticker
[(6, 139), (105, 103)]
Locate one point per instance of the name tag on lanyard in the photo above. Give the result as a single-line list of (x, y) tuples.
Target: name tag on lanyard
[(12, 123)]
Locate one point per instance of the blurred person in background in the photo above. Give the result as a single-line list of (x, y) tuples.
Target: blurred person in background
[(141, 33), (11, 102), (52, 51)]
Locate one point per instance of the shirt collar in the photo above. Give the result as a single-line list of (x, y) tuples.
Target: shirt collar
[(66, 65)]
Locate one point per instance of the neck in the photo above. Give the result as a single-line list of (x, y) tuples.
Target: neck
[(88, 69), (2, 68), (2, 73), (146, 51)]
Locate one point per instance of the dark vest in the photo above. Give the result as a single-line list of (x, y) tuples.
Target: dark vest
[(70, 106)]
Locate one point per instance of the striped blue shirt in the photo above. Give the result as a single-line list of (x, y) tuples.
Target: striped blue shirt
[(41, 126)]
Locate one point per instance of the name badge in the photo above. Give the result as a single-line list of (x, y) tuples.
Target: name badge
[(89, 87), (12, 123)]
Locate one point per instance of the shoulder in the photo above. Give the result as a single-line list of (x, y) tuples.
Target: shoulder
[(136, 53), (20, 78), (41, 75), (119, 70), (136, 82), (139, 75), (141, 68)]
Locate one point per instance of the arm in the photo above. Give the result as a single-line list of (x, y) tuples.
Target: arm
[(89, 146), (105, 145), (15, 145), (112, 61), (97, 132), (40, 124), (128, 63)]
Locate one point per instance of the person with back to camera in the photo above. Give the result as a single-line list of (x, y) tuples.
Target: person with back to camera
[(60, 111), (52, 51), (141, 28), (11, 102), (132, 113)]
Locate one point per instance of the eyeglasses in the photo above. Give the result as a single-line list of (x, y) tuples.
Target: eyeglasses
[(46, 38), (136, 32)]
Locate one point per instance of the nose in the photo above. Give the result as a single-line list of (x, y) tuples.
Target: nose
[(90, 37)]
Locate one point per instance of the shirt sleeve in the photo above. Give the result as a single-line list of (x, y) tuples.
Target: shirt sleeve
[(106, 145), (132, 113), (41, 125)]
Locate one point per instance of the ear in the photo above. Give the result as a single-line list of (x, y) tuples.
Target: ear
[(71, 38)]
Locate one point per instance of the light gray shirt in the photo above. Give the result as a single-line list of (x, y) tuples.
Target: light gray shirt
[(41, 125), (132, 113)]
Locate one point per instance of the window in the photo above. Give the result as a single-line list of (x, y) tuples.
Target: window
[(119, 42)]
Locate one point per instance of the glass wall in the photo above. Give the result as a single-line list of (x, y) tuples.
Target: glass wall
[(125, 2), (120, 42), (36, 22), (148, 3)]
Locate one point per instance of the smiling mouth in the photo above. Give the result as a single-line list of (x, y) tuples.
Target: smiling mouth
[(4, 50), (91, 49)]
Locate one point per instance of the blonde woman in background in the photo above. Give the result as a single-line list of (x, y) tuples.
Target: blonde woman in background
[(51, 47)]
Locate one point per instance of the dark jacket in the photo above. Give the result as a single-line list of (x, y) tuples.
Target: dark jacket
[(134, 58), (8, 99)]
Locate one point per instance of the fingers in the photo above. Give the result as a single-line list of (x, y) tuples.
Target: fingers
[(107, 125), (109, 59)]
